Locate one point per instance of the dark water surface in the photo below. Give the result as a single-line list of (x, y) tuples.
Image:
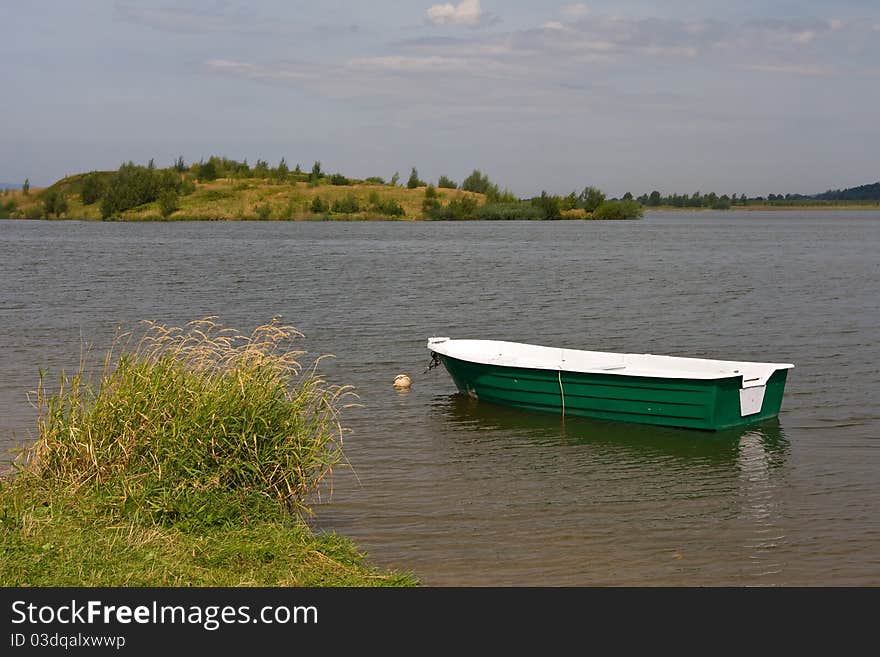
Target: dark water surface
[(466, 493)]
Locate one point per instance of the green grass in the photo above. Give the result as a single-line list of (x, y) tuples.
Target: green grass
[(192, 458), (49, 538), (232, 199)]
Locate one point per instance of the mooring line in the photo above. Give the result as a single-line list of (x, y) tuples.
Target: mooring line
[(561, 391)]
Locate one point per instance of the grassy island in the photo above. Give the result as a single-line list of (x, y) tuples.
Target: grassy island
[(188, 460), (224, 189)]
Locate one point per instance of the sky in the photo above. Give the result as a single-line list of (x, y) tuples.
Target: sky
[(751, 97)]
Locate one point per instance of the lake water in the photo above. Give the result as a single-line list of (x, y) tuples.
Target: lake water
[(466, 493)]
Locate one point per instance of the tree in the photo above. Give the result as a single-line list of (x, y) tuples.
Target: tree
[(55, 203), (26, 188), (591, 198), (548, 204), (414, 181), (282, 171), (628, 196), (134, 185), (476, 182), (92, 188), (207, 171), (395, 179), (316, 171), (569, 202), (179, 165), (348, 204), (721, 203), (431, 201), (446, 183), (627, 209), (168, 202)]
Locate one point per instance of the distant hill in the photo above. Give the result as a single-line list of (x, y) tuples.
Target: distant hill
[(4, 185), (870, 192)]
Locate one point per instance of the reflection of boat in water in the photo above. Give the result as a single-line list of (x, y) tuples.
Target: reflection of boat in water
[(693, 393), (467, 414)]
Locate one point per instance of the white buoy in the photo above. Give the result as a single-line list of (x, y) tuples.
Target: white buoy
[(402, 382)]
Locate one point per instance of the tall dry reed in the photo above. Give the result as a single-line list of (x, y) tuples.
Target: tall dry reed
[(193, 425)]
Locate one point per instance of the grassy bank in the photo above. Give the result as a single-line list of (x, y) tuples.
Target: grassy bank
[(190, 459), (224, 189), (249, 199)]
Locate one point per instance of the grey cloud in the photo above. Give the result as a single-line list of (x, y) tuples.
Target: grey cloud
[(189, 20)]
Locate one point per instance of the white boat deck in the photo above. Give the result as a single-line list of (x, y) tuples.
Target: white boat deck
[(517, 354)]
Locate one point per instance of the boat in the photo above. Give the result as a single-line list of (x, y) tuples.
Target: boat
[(673, 391)]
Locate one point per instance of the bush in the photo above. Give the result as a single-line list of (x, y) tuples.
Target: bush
[(290, 210), (348, 204), (388, 207), (92, 188), (319, 206), (476, 182), (548, 205), (6, 209), (446, 183), (36, 211), (263, 211), (134, 185), (430, 204), (339, 179), (591, 198), (168, 203), (54, 202), (375, 180), (721, 203), (207, 171), (458, 209), (192, 426), (618, 210), (508, 211)]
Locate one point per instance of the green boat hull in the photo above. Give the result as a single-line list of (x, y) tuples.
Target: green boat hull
[(707, 404)]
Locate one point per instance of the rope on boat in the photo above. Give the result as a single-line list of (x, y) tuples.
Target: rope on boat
[(561, 391), (435, 362)]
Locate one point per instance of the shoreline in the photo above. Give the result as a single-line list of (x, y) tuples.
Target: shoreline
[(850, 207)]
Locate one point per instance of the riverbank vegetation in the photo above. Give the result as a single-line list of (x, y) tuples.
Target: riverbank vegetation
[(221, 188), (864, 197), (191, 457)]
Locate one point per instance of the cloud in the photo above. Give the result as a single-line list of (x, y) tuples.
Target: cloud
[(795, 69), (466, 12), (246, 69), (224, 18), (190, 21), (398, 63), (577, 10)]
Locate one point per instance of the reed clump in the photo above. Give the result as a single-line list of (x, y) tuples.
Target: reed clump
[(192, 426)]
